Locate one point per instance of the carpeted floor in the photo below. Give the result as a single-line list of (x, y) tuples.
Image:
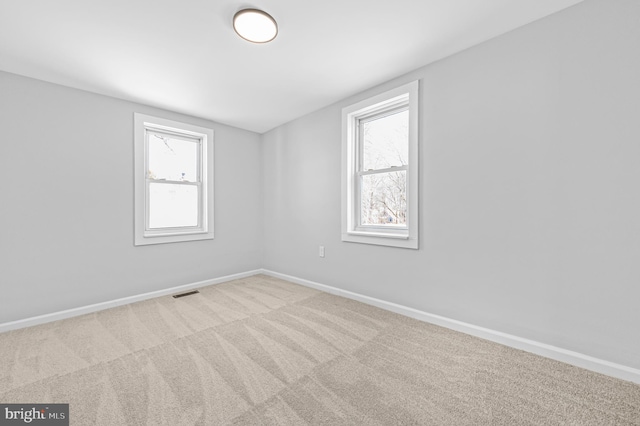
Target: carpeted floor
[(262, 351)]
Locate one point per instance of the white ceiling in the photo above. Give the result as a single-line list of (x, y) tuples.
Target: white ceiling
[(182, 55)]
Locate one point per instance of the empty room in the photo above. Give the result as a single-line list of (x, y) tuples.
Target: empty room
[(418, 212)]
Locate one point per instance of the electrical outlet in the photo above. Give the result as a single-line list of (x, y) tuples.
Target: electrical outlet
[(321, 251)]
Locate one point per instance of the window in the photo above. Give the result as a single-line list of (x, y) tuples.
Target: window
[(173, 181), (380, 169)]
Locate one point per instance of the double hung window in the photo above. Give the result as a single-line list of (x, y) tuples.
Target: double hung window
[(173, 181), (380, 169)]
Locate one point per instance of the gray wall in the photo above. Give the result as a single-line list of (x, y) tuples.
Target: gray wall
[(529, 193), (530, 186), (66, 203)]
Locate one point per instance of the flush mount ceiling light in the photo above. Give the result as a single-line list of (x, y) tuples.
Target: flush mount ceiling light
[(255, 25)]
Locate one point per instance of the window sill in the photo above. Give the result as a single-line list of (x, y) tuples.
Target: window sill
[(379, 239), (379, 234), (152, 234), (175, 238)]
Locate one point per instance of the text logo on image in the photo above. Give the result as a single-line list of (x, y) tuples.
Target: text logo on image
[(34, 414)]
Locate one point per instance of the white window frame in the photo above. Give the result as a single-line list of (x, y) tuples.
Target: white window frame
[(143, 235), (406, 97)]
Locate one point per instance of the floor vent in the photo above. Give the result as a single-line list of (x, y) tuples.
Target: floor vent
[(189, 293)]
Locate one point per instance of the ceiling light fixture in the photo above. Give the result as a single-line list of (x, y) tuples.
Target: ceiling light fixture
[(255, 25)]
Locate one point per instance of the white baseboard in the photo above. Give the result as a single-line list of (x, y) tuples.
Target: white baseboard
[(570, 357), (559, 354), (55, 316)]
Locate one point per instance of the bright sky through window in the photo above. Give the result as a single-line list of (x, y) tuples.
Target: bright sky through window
[(385, 141), (172, 205), (172, 159), (383, 195)]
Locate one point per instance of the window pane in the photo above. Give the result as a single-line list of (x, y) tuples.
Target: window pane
[(172, 159), (172, 205), (386, 141), (384, 199)]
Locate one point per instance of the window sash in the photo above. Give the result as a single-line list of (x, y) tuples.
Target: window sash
[(387, 170), (175, 229), (178, 230), (392, 228), (174, 135), (376, 114)]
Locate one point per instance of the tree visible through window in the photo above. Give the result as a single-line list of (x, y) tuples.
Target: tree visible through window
[(383, 190)]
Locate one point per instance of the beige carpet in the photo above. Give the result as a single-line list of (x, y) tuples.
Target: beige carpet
[(262, 351)]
